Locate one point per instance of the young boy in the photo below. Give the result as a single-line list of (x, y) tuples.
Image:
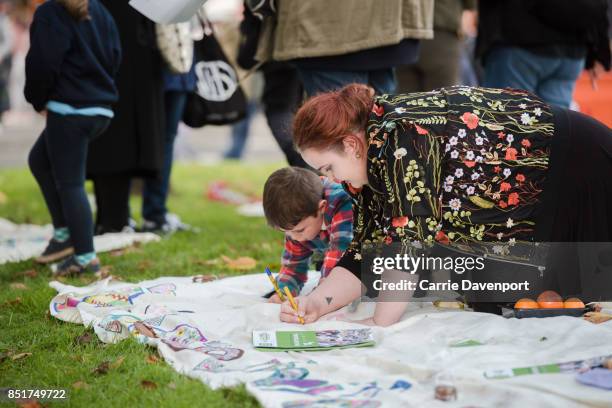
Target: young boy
[(317, 218)]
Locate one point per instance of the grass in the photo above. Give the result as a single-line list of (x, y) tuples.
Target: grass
[(57, 360)]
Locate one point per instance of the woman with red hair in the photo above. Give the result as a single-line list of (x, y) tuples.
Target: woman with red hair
[(457, 165)]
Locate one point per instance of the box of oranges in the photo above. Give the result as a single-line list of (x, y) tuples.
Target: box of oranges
[(549, 304)]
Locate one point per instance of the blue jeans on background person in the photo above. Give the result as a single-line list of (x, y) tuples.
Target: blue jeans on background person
[(58, 162), (155, 190), (317, 81), (240, 132), (551, 78)]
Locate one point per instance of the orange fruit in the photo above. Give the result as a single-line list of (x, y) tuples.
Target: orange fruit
[(550, 300), (573, 303), (526, 303)]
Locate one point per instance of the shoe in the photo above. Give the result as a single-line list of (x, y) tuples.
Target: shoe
[(55, 251), (172, 223), (71, 267)]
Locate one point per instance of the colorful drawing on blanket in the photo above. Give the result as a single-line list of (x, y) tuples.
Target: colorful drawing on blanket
[(187, 337), (212, 365), (332, 403), (112, 298), (370, 390), (331, 338), (401, 385), (118, 323), (290, 378)]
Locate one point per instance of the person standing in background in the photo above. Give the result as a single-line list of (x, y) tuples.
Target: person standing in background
[(439, 60), (133, 144), (333, 44), (282, 88), (71, 67), (156, 217), (542, 46), (6, 57)]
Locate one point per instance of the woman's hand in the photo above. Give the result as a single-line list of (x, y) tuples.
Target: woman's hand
[(309, 308)]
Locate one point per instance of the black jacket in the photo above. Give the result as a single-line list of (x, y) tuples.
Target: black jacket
[(72, 61), (575, 27)]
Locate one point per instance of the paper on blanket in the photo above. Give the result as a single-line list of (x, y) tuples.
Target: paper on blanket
[(168, 11), (310, 340)]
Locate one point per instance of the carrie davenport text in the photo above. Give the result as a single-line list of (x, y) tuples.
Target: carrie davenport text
[(466, 284)]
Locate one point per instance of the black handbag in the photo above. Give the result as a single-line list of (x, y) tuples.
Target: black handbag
[(218, 98)]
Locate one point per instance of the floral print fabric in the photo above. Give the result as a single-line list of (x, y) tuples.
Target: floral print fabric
[(455, 165)]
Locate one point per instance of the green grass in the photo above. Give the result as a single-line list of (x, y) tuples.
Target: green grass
[(58, 361)]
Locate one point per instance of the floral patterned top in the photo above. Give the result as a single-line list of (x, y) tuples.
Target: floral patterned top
[(455, 165)]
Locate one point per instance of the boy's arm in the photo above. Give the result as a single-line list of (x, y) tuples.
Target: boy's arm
[(340, 235), (294, 270)]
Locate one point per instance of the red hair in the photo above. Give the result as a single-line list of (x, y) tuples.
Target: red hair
[(326, 119)]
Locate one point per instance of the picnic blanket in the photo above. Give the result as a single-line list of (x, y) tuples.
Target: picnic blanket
[(204, 330), (20, 242)]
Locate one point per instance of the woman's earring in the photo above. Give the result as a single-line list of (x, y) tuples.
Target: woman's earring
[(358, 156)]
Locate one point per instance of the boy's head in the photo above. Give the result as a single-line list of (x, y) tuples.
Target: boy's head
[(293, 202)]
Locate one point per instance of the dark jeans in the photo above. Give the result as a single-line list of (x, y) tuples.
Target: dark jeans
[(316, 81), (155, 190), (57, 161), (551, 78)]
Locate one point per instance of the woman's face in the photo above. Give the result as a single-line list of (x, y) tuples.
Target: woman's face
[(348, 163)]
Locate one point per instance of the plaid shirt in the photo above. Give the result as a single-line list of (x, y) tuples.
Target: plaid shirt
[(334, 238)]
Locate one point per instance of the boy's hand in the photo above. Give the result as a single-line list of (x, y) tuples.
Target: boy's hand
[(274, 299), (308, 307)]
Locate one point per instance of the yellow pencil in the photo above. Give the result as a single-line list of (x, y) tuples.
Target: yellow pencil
[(293, 304), (276, 288)]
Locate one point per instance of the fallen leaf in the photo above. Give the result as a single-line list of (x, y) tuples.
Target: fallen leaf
[(242, 263), (102, 368), (104, 272), (152, 359), (80, 385), (16, 301), (117, 363), (144, 265), (29, 404), (20, 356), (3, 198), (84, 338), (5, 355), (149, 385), (172, 386), (30, 273), (18, 285)]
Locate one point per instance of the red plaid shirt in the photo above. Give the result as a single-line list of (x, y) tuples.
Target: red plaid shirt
[(333, 240)]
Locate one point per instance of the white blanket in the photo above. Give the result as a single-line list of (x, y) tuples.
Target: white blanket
[(19, 242), (203, 330)]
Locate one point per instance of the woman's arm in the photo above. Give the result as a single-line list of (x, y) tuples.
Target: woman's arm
[(339, 289)]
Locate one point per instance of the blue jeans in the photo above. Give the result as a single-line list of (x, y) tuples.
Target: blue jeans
[(57, 161), (551, 78), (240, 132), (316, 81), (155, 190)]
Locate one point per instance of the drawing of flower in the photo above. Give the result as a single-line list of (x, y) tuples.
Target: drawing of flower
[(399, 153), (378, 110), (399, 222), (453, 140), (461, 133), (454, 154), (520, 178), (511, 153), (507, 172), (455, 204), (526, 119), (459, 173), (504, 187), (470, 120), (513, 199), (510, 223)]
